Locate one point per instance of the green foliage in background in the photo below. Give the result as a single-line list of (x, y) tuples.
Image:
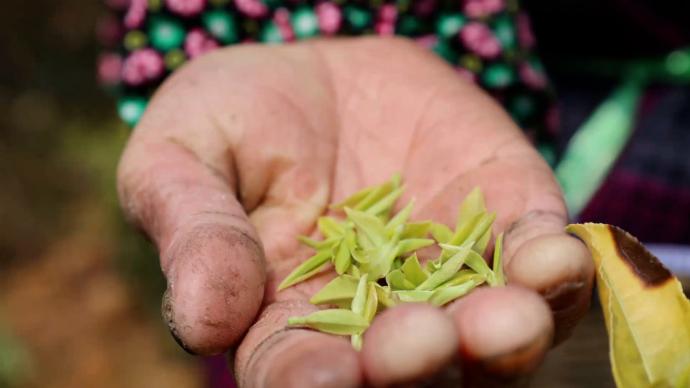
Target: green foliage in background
[(15, 365)]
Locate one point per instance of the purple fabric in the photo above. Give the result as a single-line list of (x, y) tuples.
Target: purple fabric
[(648, 192), (646, 207), (218, 372)]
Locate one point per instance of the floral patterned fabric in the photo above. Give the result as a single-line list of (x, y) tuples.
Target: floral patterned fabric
[(489, 41)]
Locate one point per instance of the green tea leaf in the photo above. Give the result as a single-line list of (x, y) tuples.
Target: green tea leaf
[(354, 271), (463, 232), (448, 294), (471, 206), (416, 230), (397, 263), (401, 218), (377, 194), (333, 321), (441, 233), (307, 269), (371, 244), (318, 244), (367, 226), (372, 303), (383, 205), (382, 260), (463, 276), (353, 200), (499, 277), (433, 265), (341, 288), (365, 197), (356, 341), (360, 298), (482, 226), (362, 257), (396, 179), (384, 295), (330, 227), (413, 271), (396, 280), (447, 270), (478, 264), (483, 242), (412, 296), (412, 244), (343, 259)]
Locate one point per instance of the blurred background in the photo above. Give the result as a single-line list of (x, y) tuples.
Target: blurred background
[(80, 291)]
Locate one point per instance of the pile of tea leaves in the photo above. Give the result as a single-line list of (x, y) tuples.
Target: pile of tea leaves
[(373, 252)]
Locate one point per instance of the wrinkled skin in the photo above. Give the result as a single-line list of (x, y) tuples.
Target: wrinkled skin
[(241, 150)]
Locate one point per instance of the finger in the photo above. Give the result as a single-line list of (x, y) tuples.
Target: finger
[(504, 334), (210, 254), (273, 356), (408, 343), (539, 255)]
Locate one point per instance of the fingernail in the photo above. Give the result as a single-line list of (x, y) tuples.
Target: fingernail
[(569, 302), (448, 377), (167, 312), (512, 369)]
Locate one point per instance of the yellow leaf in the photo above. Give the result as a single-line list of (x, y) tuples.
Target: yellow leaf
[(647, 315)]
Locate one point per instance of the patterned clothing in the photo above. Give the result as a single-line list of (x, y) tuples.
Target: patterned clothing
[(489, 41)]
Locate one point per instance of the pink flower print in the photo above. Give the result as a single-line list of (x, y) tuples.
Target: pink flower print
[(252, 8), (386, 23), (424, 7), (198, 42), (109, 31), (482, 8), (553, 120), (282, 20), (532, 77), (186, 7), (388, 13), (109, 68), (135, 13), (524, 31), (330, 17), (479, 39), (385, 28), (142, 66)]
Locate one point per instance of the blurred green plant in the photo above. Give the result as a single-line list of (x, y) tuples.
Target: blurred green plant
[(96, 154), (15, 364)]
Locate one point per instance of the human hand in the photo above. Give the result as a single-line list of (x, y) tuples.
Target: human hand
[(243, 149)]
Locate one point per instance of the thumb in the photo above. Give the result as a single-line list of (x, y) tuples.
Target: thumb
[(541, 256), (210, 254)]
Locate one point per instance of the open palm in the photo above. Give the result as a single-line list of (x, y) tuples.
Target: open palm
[(242, 150)]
